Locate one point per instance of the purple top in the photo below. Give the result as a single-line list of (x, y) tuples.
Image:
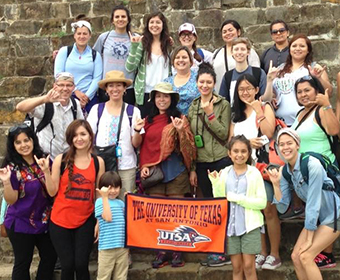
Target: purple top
[(31, 212)]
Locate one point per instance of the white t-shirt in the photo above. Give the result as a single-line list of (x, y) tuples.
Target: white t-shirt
[(128, 159), (156, 71)]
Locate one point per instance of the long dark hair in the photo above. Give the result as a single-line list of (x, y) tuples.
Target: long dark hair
[(239, 106), (69, 157), (122, 7), (241, 138), (12, 156), (234, 23), (172, 111), (289, 60), (148, 38)]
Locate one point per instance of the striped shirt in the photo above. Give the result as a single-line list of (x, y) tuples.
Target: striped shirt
[(111, 234)]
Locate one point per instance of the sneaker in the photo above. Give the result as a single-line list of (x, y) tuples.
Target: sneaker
[(325, 260), (293, 213), (177, 260), (271, 263), (259, 261), (160, 261), (219, 260), (205, 262)]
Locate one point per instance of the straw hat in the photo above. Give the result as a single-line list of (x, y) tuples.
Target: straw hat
[(163, 87), (114, 76)]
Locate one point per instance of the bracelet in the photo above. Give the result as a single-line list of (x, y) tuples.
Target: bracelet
[(260, 119), (137, 130), (327, 107), (211, 117)]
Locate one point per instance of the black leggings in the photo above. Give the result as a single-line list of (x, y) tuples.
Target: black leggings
[(23, 247), (73, 247)]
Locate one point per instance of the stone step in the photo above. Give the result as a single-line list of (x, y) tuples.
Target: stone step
[(192, 271)]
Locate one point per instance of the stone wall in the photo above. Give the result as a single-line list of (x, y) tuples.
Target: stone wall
[(31, 29)]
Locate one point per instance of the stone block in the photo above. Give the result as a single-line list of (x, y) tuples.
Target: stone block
[(326, 50), (138, 25), (100, 23), (218, 41), (312, 27), (2, 10), (24, 27), (67, 40), (7, 66), (101, 8), (244, 17), (236, 3), (80, 8), (37, 86), (336, 11), (5, 45), (4, 2), (137, 6), (53, 27), (261, 3), (30, 66), (159, 5), (211, 18), (205, 38), (176, 18), (11, 12), (184, 5), (257, 33), (223, 273), (279, 2), (32, 46), (302, 2), (8, 115), (37, 11), (208, 4), (14, 86), (188, 272), (289, 14), (60, 10), (320, 11), (3, 26)]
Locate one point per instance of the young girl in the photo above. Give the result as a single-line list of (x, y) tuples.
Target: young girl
[(149, 54), (73, 182), (243, 186), (109, 210), (321, 204)]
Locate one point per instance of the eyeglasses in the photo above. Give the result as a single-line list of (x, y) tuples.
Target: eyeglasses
[(13, 129), (304, 79), (63, 85), (183, 35), (281, 30), (243, 90)]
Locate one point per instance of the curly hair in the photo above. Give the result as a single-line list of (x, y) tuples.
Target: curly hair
[(70, 154), (289, 62), (164, 37)]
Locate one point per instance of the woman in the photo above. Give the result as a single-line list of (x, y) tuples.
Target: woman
[(184, 81), (106, 126), (114, 45), (310, 94), (27, 216), (187, 36), (73, 182), (252, 119), (281, 81), (240, 50), (149, 55), (209, 117), (84, 63), (167, 143), (223, 59), (318, 231)]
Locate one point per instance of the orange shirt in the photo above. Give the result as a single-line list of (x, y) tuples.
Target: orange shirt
[(71, 210)]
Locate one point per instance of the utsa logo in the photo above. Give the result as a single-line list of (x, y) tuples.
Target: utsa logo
[(182, 236)]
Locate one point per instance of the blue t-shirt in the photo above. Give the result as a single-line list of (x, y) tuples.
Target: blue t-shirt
[(111, 234), (187, 92)]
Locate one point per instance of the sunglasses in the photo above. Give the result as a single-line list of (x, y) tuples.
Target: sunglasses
[(304, 79), (281, 30), (13, 129)]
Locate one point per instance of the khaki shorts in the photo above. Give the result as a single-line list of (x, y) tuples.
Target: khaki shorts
[(178, 186), (248, 243)]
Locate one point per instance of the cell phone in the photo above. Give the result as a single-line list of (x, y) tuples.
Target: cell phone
[(273, 166), (264, 139), (199, 141)]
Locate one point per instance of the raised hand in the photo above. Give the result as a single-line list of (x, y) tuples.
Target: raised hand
[(317, 70), (5, 174), (322, 99), (208, 107), (53, 95), (134, 38), (104, 191), (44, 163), (214, 174), (272, 72), (256, 105), (275, 175), (140, 123), (177, 123)]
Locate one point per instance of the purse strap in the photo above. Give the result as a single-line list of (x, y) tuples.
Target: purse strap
[(305, 116), (219, 140)]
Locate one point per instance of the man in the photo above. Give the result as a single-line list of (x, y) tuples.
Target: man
[(64, 111), (279, 51)]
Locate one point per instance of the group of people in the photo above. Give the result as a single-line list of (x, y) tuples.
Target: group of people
[(200, 118)]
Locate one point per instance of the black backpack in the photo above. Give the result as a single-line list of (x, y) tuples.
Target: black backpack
[(48, 115)]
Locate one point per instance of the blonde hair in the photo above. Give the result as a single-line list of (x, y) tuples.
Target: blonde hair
[(241, 40)]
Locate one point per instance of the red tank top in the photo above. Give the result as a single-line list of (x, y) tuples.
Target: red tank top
[(71, 210)]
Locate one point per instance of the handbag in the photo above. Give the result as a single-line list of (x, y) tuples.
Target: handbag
[(155, 177), (108, 153)]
